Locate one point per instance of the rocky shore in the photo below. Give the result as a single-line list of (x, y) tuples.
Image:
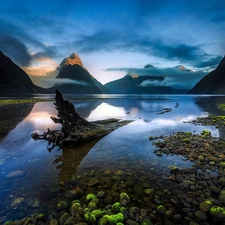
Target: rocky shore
[(192, 195)]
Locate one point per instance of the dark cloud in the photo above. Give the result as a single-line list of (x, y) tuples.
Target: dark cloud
[(19, 53), (153, 46), (212, 62), (15, 49)]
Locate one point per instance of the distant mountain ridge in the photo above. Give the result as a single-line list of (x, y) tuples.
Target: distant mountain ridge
[(149, 81), (74, 78), (212, 83), (14, 81), (131, 84)]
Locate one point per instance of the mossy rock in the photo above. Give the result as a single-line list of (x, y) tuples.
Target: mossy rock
[(161, 209), (40, 217), (205, 206), (116, 207), (217, 212), (90, 218), (92, 198), (114, 219), (124, 199), (62, 205)]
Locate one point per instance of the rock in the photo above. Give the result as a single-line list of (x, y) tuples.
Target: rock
[(124, 199), (97, 213), (112, 219), (222, 197), (116, 207), (75, 208), (189, 170), (221, 164), (92, 206), (64, 218), (149, 191), (89, 218), (108, 199), (161, 209), (119, 172), (168, 213), (34, 203), (101, 194), (146, 221), (205, 206), (15, 174), (71, 220), (40, 217), (53, 222), (92, 198), (62, 205), (139, 191), (17, 201), (131, 222), (93, 181), (166, 151), (178, 218), (222, 181), (214, 189), (200, 215), (217, 212)]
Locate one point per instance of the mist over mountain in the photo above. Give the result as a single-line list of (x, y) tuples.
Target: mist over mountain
[(152, 80), (14, 81), (212, 83), (74, 78)]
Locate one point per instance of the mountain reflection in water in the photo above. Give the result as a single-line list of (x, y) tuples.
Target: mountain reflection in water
[(36, 174)]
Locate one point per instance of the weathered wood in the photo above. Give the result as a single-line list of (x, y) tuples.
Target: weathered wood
[(75, 130)]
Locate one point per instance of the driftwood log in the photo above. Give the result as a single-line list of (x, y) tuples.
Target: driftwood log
[(75, 130)]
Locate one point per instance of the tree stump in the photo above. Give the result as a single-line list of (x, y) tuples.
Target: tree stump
[(75, 130)]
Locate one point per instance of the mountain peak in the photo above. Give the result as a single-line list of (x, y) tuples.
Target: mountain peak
[(73, 59), (183, 68), (149, 66)]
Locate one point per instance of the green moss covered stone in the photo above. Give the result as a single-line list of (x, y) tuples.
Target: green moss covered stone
[(124, 199)]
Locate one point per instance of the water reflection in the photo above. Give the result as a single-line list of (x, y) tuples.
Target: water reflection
[(127, 148), (11, 116)]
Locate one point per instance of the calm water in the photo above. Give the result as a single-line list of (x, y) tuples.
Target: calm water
[(32, 178)]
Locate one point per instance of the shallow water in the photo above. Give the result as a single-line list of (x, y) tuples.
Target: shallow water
[(30, 174)]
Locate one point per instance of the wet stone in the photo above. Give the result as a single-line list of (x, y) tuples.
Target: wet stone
[(222, 181), (139, 191), (178, 218), (205, 206), (200, 215), (15, 174), (93, 181), (214, 189)]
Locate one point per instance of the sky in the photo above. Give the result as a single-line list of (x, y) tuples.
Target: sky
[(114, 37)]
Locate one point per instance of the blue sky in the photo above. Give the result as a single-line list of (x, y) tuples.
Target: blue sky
[(112, 37)]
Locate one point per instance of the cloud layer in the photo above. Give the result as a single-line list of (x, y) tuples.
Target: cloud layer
[(116, 33)]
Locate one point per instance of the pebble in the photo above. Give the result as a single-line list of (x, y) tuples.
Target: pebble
[(15, 174)]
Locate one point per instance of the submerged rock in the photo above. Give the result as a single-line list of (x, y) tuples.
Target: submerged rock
[(15, 174)]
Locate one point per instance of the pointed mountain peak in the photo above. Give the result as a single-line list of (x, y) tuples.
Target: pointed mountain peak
[(71, 60), (183, 68), (149, 66)]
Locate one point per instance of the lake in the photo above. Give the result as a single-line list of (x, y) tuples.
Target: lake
[(34, 179)]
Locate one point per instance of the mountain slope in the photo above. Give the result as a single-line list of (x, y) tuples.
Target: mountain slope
[(74, 78), (15, 81), (137, 85), (212, 83)]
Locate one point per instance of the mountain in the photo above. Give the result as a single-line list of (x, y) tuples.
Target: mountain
[(144, 84), (212, 83), (14, 81), (74, 78)]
